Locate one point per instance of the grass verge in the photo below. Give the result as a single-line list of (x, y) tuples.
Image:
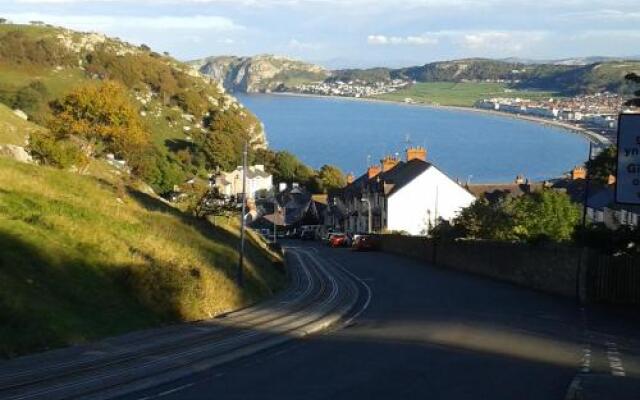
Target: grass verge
[(83, 258)]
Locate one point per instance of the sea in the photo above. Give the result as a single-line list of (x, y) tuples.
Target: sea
[(466, 145)]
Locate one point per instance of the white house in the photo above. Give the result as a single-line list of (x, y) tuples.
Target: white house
[(410, 196), (258, 181)]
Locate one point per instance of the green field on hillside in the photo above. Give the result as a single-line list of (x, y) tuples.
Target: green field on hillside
[(462, 94), (84, 257)]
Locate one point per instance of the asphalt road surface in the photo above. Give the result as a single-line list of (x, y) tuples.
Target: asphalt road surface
[(430, 333)]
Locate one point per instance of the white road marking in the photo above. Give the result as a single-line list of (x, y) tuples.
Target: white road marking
[(170, 391), (615, 359), (586, 359)]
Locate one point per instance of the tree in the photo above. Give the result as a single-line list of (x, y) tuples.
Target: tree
[(603, 165), (634, 78), (545, 215), (331, 177), (484, 220), (103, 115), (3, 21)]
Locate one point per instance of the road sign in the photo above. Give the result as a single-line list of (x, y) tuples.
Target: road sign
[(628, 166)]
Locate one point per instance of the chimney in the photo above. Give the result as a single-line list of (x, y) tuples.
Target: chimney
[(373, 171), (578, 172), (388, 162), (416, 153), (350, 178)]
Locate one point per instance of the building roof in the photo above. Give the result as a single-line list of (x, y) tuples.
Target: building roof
[(390, 181)]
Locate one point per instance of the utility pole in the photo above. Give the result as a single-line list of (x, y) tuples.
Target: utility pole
[(240, 276), (275, 214)]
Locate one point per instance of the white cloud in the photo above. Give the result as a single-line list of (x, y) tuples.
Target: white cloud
[(500, 41), (298, 45), (105, 22), (401, 40)]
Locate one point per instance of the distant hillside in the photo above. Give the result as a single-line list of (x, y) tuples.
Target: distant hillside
[(261, 73), (567, 76)]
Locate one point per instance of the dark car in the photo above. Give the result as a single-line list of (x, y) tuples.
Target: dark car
[(307, 234), (364, 243)]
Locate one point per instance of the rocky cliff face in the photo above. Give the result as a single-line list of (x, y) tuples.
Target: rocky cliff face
[(263, 73)]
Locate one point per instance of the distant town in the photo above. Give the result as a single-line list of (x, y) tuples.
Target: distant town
[(597, 112), (355, 88)]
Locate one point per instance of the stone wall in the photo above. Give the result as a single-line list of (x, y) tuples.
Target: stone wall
[(554, 269)]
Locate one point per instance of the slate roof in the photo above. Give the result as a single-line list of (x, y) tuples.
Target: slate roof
[(390, 181)]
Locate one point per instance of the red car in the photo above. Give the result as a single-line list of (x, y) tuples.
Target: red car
[(337, 240)]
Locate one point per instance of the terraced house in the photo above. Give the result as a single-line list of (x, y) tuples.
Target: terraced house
[(410, 196)]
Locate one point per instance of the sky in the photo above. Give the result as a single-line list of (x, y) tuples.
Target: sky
[(354, 33)]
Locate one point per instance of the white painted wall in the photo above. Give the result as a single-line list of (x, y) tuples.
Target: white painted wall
[(411, 207)]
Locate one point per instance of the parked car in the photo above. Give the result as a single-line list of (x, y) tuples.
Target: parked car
[(363, 243), (307, 234), (338, 240), (327, 239)]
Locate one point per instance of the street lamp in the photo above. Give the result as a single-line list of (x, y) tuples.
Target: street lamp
[(365, 200)]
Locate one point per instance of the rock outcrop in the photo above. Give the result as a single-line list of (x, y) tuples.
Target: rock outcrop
[(264, 73), (17, 153)]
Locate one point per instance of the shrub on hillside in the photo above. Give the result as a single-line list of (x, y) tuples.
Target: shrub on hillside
[(63, 153), (16, 47)]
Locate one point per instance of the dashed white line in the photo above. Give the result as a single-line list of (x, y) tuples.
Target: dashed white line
[(177, 389), (586, 359), (615, 359)]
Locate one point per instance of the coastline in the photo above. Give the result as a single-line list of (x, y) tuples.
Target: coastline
[(592, 136)]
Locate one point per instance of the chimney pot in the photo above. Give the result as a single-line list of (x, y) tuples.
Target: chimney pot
[(373, 171), (389, 162), (419, 153), (579, 172)]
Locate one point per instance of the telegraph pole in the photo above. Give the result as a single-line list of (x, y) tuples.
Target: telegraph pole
[(240, 276), (275, 214)]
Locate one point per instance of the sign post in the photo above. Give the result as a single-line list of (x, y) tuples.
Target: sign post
[(628, 163)]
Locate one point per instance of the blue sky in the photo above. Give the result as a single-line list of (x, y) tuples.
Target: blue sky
[(346, 33)]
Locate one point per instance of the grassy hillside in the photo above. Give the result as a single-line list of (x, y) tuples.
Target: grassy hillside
[(183, 111), (13, 129), (463, 94), (83, 257)]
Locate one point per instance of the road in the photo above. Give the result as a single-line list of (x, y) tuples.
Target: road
[(434, 334)]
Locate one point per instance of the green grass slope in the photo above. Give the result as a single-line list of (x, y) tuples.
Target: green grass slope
[(83, 257), (13, 129)]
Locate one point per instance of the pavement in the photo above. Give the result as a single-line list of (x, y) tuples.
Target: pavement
[(433, 333)]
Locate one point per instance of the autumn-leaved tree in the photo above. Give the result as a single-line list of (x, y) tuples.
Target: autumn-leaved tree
[(330, 177), (105, 117)]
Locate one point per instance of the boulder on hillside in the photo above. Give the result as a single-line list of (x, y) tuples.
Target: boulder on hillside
[(21, 114), (17, 153)]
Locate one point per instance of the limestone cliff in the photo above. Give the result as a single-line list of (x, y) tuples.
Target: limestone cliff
[(264, 73)]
